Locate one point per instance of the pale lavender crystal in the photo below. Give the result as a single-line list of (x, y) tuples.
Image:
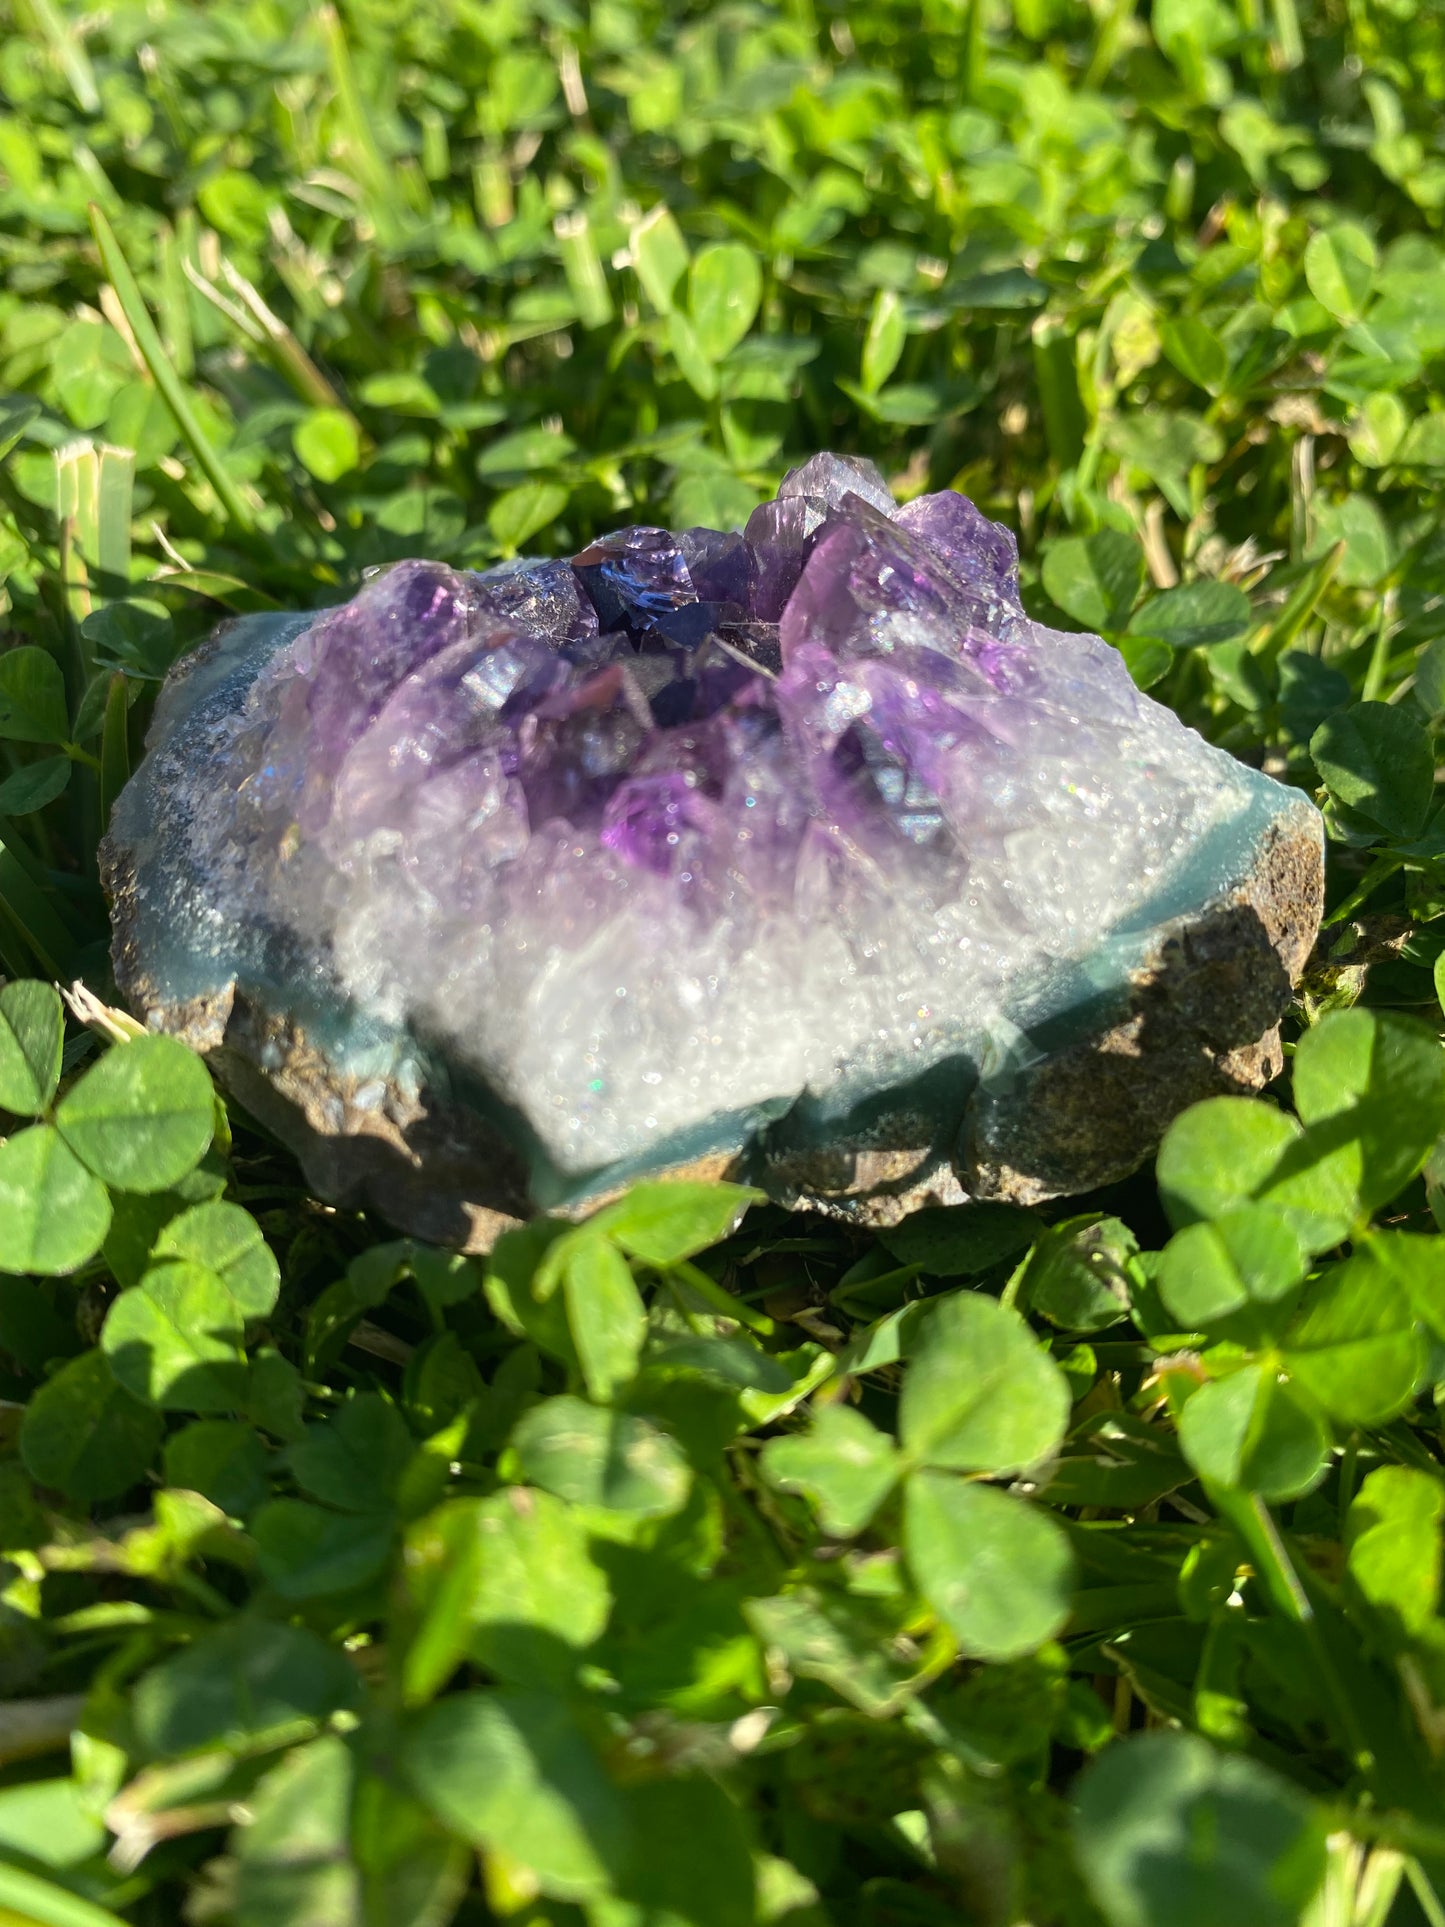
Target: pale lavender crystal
[(981, 553), (696, 826), (831, 479), (543, 599)]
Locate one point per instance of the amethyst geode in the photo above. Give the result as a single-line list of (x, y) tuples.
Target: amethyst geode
[(798, 854)]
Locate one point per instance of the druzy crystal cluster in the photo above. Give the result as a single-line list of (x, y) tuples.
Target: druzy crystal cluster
[(692, 840)]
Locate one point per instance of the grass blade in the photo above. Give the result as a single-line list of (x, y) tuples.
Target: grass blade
[(76, 470), (583, 267), (114, 746), (28, 1898), (1289, 46), (175, 302), (1065, 423), (46, 19), (369, 167), (229, 590), (28, 909), (93, 489), (310, 383), (1302, 602), (265, 328), (16, 414), (118, 272), (116, 483)]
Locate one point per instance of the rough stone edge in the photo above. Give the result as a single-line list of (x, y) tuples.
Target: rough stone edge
[(1202, 1021), (1197, 1020), (360, 1142)]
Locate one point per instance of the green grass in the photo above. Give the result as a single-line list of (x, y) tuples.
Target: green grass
[(693, 1566)]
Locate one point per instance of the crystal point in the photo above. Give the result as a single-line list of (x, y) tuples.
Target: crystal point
[(831, 479)]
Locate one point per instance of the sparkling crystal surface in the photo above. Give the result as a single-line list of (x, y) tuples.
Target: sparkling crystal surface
[(653, 845)]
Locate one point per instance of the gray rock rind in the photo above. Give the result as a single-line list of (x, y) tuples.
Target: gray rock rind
[(1199, 1018)]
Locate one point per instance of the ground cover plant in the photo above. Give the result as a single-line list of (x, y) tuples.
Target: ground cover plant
[(1077, 1567)]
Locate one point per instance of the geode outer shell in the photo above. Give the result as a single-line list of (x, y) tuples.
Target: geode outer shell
[(797, 855)]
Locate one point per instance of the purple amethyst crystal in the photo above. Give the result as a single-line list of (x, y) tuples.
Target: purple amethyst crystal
[(798, 851)]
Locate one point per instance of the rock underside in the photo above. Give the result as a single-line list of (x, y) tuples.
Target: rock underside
[(796, 855)]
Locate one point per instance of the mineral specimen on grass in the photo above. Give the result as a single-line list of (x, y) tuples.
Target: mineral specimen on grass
[(798, 854)]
